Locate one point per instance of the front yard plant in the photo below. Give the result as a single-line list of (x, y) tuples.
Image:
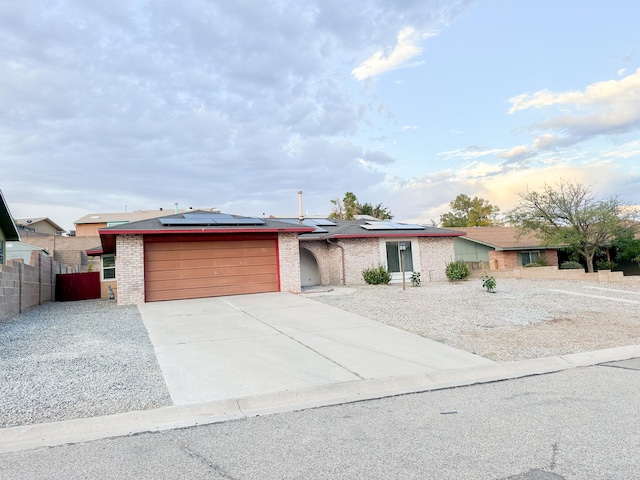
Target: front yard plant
[(376, 275), (571, 266), (605, 265), (457, 271), (489, 283)]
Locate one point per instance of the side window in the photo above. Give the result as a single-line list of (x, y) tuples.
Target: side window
[(1, 252), (529, 257), (108, 267)]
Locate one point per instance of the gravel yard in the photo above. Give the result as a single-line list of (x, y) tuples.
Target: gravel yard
[(76, 359), (522, 319)]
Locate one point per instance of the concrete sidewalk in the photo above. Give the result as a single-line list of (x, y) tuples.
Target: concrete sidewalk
[(229, 347), (30, 437)]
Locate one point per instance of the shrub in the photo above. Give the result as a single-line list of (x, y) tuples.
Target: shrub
[(376, 275), (415, 279), (457, 270), (489, 283), (540, 262), (605, 265), (571, 266)]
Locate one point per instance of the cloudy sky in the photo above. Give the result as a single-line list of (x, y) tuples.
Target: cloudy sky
[(138, 104)]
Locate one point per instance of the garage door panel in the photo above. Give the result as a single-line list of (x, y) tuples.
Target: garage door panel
[(173, 265), (196, 269), (194, 283), (209, 292), (208, 245), (211, 253), (243, 271)]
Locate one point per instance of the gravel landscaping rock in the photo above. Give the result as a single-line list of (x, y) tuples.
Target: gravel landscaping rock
[(76, 359), (522, 319)]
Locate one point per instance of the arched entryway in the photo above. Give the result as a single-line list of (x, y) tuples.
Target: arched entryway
[(309, 271)]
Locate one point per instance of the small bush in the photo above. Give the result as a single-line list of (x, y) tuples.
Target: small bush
[(540, 262), (489, 283), (571, 266), (415, 279), (457, 270), (376, 276), (605, 265)]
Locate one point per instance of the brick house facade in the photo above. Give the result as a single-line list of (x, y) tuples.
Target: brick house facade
[(338, 252)]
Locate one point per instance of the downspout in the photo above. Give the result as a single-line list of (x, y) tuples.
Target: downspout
[(342, 249)]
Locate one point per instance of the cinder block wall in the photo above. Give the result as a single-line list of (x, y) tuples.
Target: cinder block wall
[(289, 261), (25, 286), (130, 269)]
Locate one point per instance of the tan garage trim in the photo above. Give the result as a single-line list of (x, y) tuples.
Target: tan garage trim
[(207, 267)]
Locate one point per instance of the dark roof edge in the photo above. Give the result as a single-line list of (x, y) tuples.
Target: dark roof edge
[(6, 221)]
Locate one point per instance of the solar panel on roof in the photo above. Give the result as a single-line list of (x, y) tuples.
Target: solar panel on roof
[(187, 221), (199, 219), (323, 222), (391, 226)]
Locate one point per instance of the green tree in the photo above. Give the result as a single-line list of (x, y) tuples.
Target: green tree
[(377, 211), (348, 207), (469, 212), (627, 247), (568, 214)]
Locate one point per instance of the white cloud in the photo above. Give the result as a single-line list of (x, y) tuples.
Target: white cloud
[(520, 152), (607, 92), (470, 152), (406, 48)]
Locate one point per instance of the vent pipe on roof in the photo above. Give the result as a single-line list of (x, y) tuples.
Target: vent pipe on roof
[(300, 213)]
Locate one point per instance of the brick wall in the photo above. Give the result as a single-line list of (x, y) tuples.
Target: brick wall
[(360, 254), (130, 269), (289, 260), (435, 253), (329, 258), (499, 260), (551, 256), (24, 286)]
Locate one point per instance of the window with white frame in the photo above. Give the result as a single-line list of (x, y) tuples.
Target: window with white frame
[(530, 257), (399, 252), (108, 267)]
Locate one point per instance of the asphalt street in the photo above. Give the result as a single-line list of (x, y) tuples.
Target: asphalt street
[(574, 424)]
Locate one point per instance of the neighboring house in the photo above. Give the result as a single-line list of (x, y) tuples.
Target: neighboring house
[(501, 248), (89, 225), (24, 252), (204, 254), (8, 229), (38, 226)]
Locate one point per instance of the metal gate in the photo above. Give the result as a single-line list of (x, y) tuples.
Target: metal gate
[(77, 286)]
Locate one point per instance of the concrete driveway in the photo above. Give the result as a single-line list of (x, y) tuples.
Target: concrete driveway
[(229, 347)]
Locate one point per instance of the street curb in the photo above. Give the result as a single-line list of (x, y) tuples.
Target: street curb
[(29, 437)]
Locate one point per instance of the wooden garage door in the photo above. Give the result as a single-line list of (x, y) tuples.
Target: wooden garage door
[(195, 269)]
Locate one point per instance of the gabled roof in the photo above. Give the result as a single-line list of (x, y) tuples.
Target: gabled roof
[(30, 222), (6, 221), (503, 238), (134, 216), (197, 222)]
